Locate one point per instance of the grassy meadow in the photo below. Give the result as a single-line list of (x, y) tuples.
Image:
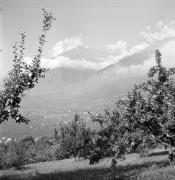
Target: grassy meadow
[(154, 166)]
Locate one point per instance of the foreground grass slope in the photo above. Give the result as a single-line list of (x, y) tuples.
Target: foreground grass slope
[(69, 169)]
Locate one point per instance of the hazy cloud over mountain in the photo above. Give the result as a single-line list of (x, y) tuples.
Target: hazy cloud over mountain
[(113, 53), (65, 45)]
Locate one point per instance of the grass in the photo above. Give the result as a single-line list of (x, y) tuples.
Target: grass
[(135, 167), (166, 173)]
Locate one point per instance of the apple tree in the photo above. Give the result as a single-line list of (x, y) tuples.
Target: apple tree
[(146, 116), (22, 76)]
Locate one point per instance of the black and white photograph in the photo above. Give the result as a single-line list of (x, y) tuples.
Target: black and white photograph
[(87, 89)]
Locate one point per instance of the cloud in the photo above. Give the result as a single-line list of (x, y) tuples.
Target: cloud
[(162, 31), (119, 46), (115, 52), (65, 45), (138, 47), (61, 61), (168, 54), (127, 52), (66, 62), (133, 71)]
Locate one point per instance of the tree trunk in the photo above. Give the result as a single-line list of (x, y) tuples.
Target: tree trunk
[(170, 155)]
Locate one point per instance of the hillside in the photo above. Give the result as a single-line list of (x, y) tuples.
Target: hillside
[(65, 91), (133, 166)]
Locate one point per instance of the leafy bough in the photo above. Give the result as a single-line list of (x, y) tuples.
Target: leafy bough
[(23, 76)]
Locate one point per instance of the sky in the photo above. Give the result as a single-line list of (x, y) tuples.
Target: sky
[(108, 25)]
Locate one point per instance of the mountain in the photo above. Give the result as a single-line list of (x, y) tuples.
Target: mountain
[(65, 91), (57, 80), (83, 52), (139, 57)]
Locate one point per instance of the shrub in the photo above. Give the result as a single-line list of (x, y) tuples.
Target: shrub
[(61, 154), (15, 156), (45, 150), (75, 139), (3, 151), (29, 147)]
